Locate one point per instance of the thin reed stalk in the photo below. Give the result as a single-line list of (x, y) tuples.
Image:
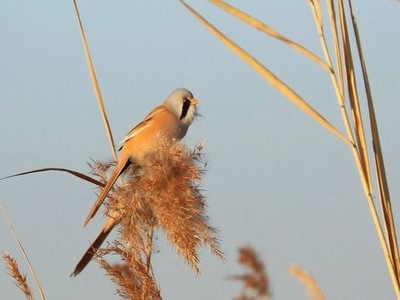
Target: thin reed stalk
[(378, 156), (95, 83), (25, 255), (338, 89), (353, 96), (358, 123), (345, 67)]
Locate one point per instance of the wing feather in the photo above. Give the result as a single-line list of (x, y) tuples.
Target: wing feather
[(142, 125)]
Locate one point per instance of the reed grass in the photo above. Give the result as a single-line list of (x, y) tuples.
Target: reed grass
[(132, 277), (271, 78), (25, 255), (19, 279), (95, 84), (167, 195), (256, 284), (313, 290), (69, 171), (344, 65), (259, 25), (384, 194), (163, 195)]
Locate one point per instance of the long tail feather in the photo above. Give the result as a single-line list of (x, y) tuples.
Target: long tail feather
[(122, 164), (87, 257)]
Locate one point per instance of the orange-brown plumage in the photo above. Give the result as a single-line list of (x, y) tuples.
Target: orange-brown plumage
[(168, 122), (165, 121)]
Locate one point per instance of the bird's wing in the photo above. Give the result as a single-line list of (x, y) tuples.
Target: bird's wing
[(142, 125)]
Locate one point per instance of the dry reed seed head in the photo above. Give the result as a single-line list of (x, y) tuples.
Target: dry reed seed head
[(173, 176), (313, 290), (99, 169), (248, 257), (165, 193), (19, 279), (133, 280), (256, 283)]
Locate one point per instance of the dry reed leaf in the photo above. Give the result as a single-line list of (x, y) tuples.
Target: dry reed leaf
[(95, 83), (357, 154), (364, 178), (336, 44), (19, 279), (22, 249), (270, 77), (338, 87), (379, 162), (316, 10), (256, 284), (246, 18), (353, 95), (339, 90), (316, 7), (313, 290), (72, 172)]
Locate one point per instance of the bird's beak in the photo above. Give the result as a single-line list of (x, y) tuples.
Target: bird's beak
[(193, 101)]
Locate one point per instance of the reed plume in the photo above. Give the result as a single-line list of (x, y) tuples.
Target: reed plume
[(15, 274), (313, 290), (256, 285), (163, 194)]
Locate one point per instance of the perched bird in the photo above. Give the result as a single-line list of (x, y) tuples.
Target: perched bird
[(168, 121)]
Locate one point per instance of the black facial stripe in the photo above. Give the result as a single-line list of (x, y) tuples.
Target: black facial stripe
[(185, 108)]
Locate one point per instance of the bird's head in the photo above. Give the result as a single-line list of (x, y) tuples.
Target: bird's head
[(182, 103)]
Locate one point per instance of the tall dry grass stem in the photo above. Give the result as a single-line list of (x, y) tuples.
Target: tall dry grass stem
[(95, 83), (353, 97), (344, 67), (25, 255), (269, 76), (378, 156)]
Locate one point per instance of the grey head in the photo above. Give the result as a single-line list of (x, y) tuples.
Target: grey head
[(183, 105)]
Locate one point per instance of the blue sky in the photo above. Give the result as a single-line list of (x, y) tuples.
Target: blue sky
[(276, 180)]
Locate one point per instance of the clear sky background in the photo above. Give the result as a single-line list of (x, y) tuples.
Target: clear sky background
[(277, 180)]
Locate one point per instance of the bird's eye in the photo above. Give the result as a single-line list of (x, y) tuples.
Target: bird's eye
[(184, 100)]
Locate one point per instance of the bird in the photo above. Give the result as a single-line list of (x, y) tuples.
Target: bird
[(168, 121)]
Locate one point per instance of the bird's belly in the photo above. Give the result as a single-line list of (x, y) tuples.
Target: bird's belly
[(150, 140)]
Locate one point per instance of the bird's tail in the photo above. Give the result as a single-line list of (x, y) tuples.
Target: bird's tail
[(87, 257), (120, 167)]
